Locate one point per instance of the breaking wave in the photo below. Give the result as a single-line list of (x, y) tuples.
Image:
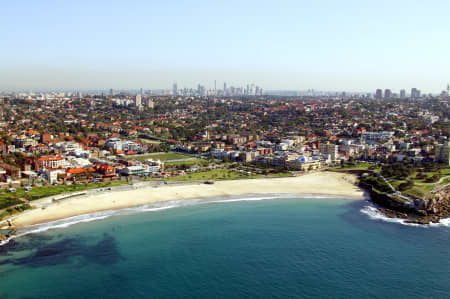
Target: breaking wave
[(154, 207), (375, 214)]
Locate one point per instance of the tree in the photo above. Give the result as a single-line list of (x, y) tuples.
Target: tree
[(406, 185), (433, 179)]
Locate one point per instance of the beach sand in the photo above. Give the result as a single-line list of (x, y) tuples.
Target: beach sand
[(315, 183)]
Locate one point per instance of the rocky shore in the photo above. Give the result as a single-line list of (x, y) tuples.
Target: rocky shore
[(420, 211), (5, 234)]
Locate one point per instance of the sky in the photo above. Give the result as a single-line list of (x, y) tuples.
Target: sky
[(327, 45)]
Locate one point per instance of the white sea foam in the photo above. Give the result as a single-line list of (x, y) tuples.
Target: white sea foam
[(157, 209), (375, 214), (39, 228), (243, 199), (278, 196), (154, 207), (66, 222)]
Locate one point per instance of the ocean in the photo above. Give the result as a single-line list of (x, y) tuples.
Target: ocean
[(250, 247)]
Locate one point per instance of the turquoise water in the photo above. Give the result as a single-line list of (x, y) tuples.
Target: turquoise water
[(276, 248)]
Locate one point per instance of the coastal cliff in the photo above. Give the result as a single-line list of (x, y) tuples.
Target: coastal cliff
[(421, 211)]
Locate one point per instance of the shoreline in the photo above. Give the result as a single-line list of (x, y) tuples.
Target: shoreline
[(319, 183)]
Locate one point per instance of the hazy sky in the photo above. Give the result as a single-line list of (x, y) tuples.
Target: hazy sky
[(322, 44)]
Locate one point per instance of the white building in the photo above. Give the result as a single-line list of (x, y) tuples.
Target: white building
[(138, 100), (136, 170), (154, 166), (52, 175), (375, 136), (442, 153), (52, 162), (79, 162), (122, 145), (329, 149)]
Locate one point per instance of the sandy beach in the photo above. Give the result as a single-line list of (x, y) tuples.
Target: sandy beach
[(315, 183)]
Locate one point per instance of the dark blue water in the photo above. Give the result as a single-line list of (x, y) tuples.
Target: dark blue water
[(283, 248)]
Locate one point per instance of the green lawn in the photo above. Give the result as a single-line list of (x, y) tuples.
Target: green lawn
[(159, 156), (222, 174), (277, 175), (216, 174), (11, 211), (8, 199), (188, 162), (421, 186), (416, 191), (362, 166), (443, 172)]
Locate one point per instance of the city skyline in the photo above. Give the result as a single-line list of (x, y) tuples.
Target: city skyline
[(296, 45), (228, 89), (204, 149)]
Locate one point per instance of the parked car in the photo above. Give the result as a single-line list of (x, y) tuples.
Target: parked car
[(12, 190)]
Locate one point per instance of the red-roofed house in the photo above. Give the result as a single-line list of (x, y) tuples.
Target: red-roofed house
[(51, 162), (106, 170)]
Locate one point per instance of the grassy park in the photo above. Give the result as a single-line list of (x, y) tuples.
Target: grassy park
[(8, 199), (411, 180), (159, 156), (356, 166), (223, 174), (420, 182)]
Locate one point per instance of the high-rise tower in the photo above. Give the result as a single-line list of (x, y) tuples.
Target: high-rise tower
[(175, 89), (378, 94), (387, 94), (138, 100), (415, 93)]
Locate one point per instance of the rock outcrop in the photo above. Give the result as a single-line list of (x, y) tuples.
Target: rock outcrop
[(421, 211), (5, 234)]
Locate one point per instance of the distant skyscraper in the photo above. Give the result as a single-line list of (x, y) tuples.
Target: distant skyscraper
[(138, 100), (142, 92), (225, 87), (149, 103), (175, 89), (387, 94), (111, 92), (402, 93), (202, 91), (415, 93), (378, 94)]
